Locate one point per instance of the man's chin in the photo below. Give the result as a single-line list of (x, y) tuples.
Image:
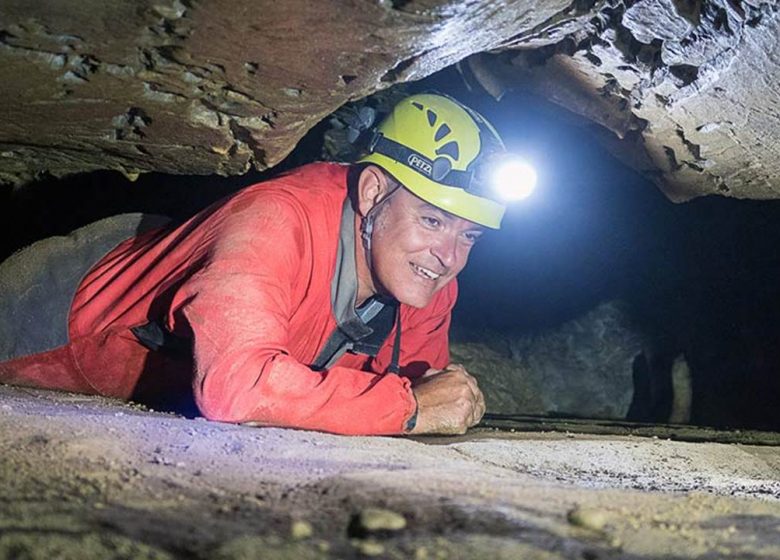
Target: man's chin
[(416, 298), (415, 302), (412, 292)]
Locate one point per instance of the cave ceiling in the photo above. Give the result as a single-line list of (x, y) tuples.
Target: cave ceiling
[(686, 91)]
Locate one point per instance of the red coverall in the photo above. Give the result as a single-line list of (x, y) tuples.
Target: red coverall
[(249, 281)]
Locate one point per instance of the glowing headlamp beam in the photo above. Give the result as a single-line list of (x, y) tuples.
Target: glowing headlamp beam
[(514, 179)]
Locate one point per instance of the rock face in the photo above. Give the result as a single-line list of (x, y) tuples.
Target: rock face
[(213, 86), (581, 368), (689, 88)]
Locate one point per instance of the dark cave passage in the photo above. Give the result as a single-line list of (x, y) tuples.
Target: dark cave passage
[(702, 279)]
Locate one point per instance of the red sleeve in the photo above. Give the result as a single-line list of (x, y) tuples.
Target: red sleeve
[(424, 336), (238, 308)]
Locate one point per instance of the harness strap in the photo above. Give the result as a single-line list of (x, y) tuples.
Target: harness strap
[(394, 367)]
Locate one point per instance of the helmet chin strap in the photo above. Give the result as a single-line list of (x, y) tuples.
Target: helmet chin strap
[(366, 233), (367, 228)]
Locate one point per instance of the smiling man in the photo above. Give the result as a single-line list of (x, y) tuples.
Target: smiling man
[(319, 300)]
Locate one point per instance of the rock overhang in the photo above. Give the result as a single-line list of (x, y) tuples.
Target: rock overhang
[(684, 92)]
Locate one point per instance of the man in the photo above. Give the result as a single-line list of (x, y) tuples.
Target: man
[(319, 300)]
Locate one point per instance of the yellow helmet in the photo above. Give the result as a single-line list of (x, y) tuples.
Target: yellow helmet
[(439, 149)]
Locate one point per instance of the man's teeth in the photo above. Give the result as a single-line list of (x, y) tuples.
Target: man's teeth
[(425, 272)]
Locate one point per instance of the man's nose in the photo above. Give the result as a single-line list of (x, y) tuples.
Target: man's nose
[(445, 250)]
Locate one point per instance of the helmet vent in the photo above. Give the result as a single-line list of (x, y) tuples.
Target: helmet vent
[(449, 149), (443, 131), (448, 163)]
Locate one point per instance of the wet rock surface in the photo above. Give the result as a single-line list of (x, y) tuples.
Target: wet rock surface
[(86, 477), (215, 86), (583, 367), (686, 89), (683, 91)]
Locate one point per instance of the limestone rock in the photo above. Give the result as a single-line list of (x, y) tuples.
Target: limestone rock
[(215, 86), (684, 91), (583, 367), (688, 90)]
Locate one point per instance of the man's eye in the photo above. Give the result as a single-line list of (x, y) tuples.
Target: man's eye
[(430, 221), (472, 237)]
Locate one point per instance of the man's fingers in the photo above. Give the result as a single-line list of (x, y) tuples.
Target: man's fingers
[(456, 368), (474, 386), (476, 396), (449, 400), (478, 411), (479, 407)]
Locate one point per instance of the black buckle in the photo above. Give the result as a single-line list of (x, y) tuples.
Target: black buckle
[(374, 140)]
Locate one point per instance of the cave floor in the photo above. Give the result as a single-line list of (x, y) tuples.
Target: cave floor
[(85, 477)]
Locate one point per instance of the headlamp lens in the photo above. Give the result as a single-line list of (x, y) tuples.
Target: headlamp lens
[(513, 179)]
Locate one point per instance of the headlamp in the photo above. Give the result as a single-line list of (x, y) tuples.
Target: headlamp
[(500, 176), (513, 179), (505, 177)]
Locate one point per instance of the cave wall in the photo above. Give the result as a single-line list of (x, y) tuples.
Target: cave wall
[(214, 86), (683, 91), (688, 90)]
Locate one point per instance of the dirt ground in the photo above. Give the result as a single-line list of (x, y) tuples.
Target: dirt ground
[(88, 478)]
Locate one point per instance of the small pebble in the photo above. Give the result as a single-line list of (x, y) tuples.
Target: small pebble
[(370, 547), (300, 529), (587, 518), (377, 519)]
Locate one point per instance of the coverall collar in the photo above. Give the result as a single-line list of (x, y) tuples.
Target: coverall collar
[(344, 286), (362, 330)]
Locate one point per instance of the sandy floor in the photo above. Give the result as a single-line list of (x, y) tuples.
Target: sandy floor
[(84, 478)]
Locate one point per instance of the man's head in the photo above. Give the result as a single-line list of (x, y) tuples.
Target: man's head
[(423, 203), (443, 152), (413, 248)]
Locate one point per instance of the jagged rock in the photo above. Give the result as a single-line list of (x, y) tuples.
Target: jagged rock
[(581, 368), (687, 89), (215, 86), (506, 386)]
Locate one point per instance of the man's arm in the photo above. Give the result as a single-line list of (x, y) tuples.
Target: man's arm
[(238, 308), (448, 398)]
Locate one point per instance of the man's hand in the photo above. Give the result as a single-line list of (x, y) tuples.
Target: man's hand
[(448, 401)]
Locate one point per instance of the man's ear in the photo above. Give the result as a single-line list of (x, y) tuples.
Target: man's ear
[(372, 187)]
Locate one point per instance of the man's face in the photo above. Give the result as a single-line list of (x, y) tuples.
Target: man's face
[(417, 248)]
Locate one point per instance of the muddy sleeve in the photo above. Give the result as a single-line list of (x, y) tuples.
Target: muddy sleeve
[(238, 308)]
